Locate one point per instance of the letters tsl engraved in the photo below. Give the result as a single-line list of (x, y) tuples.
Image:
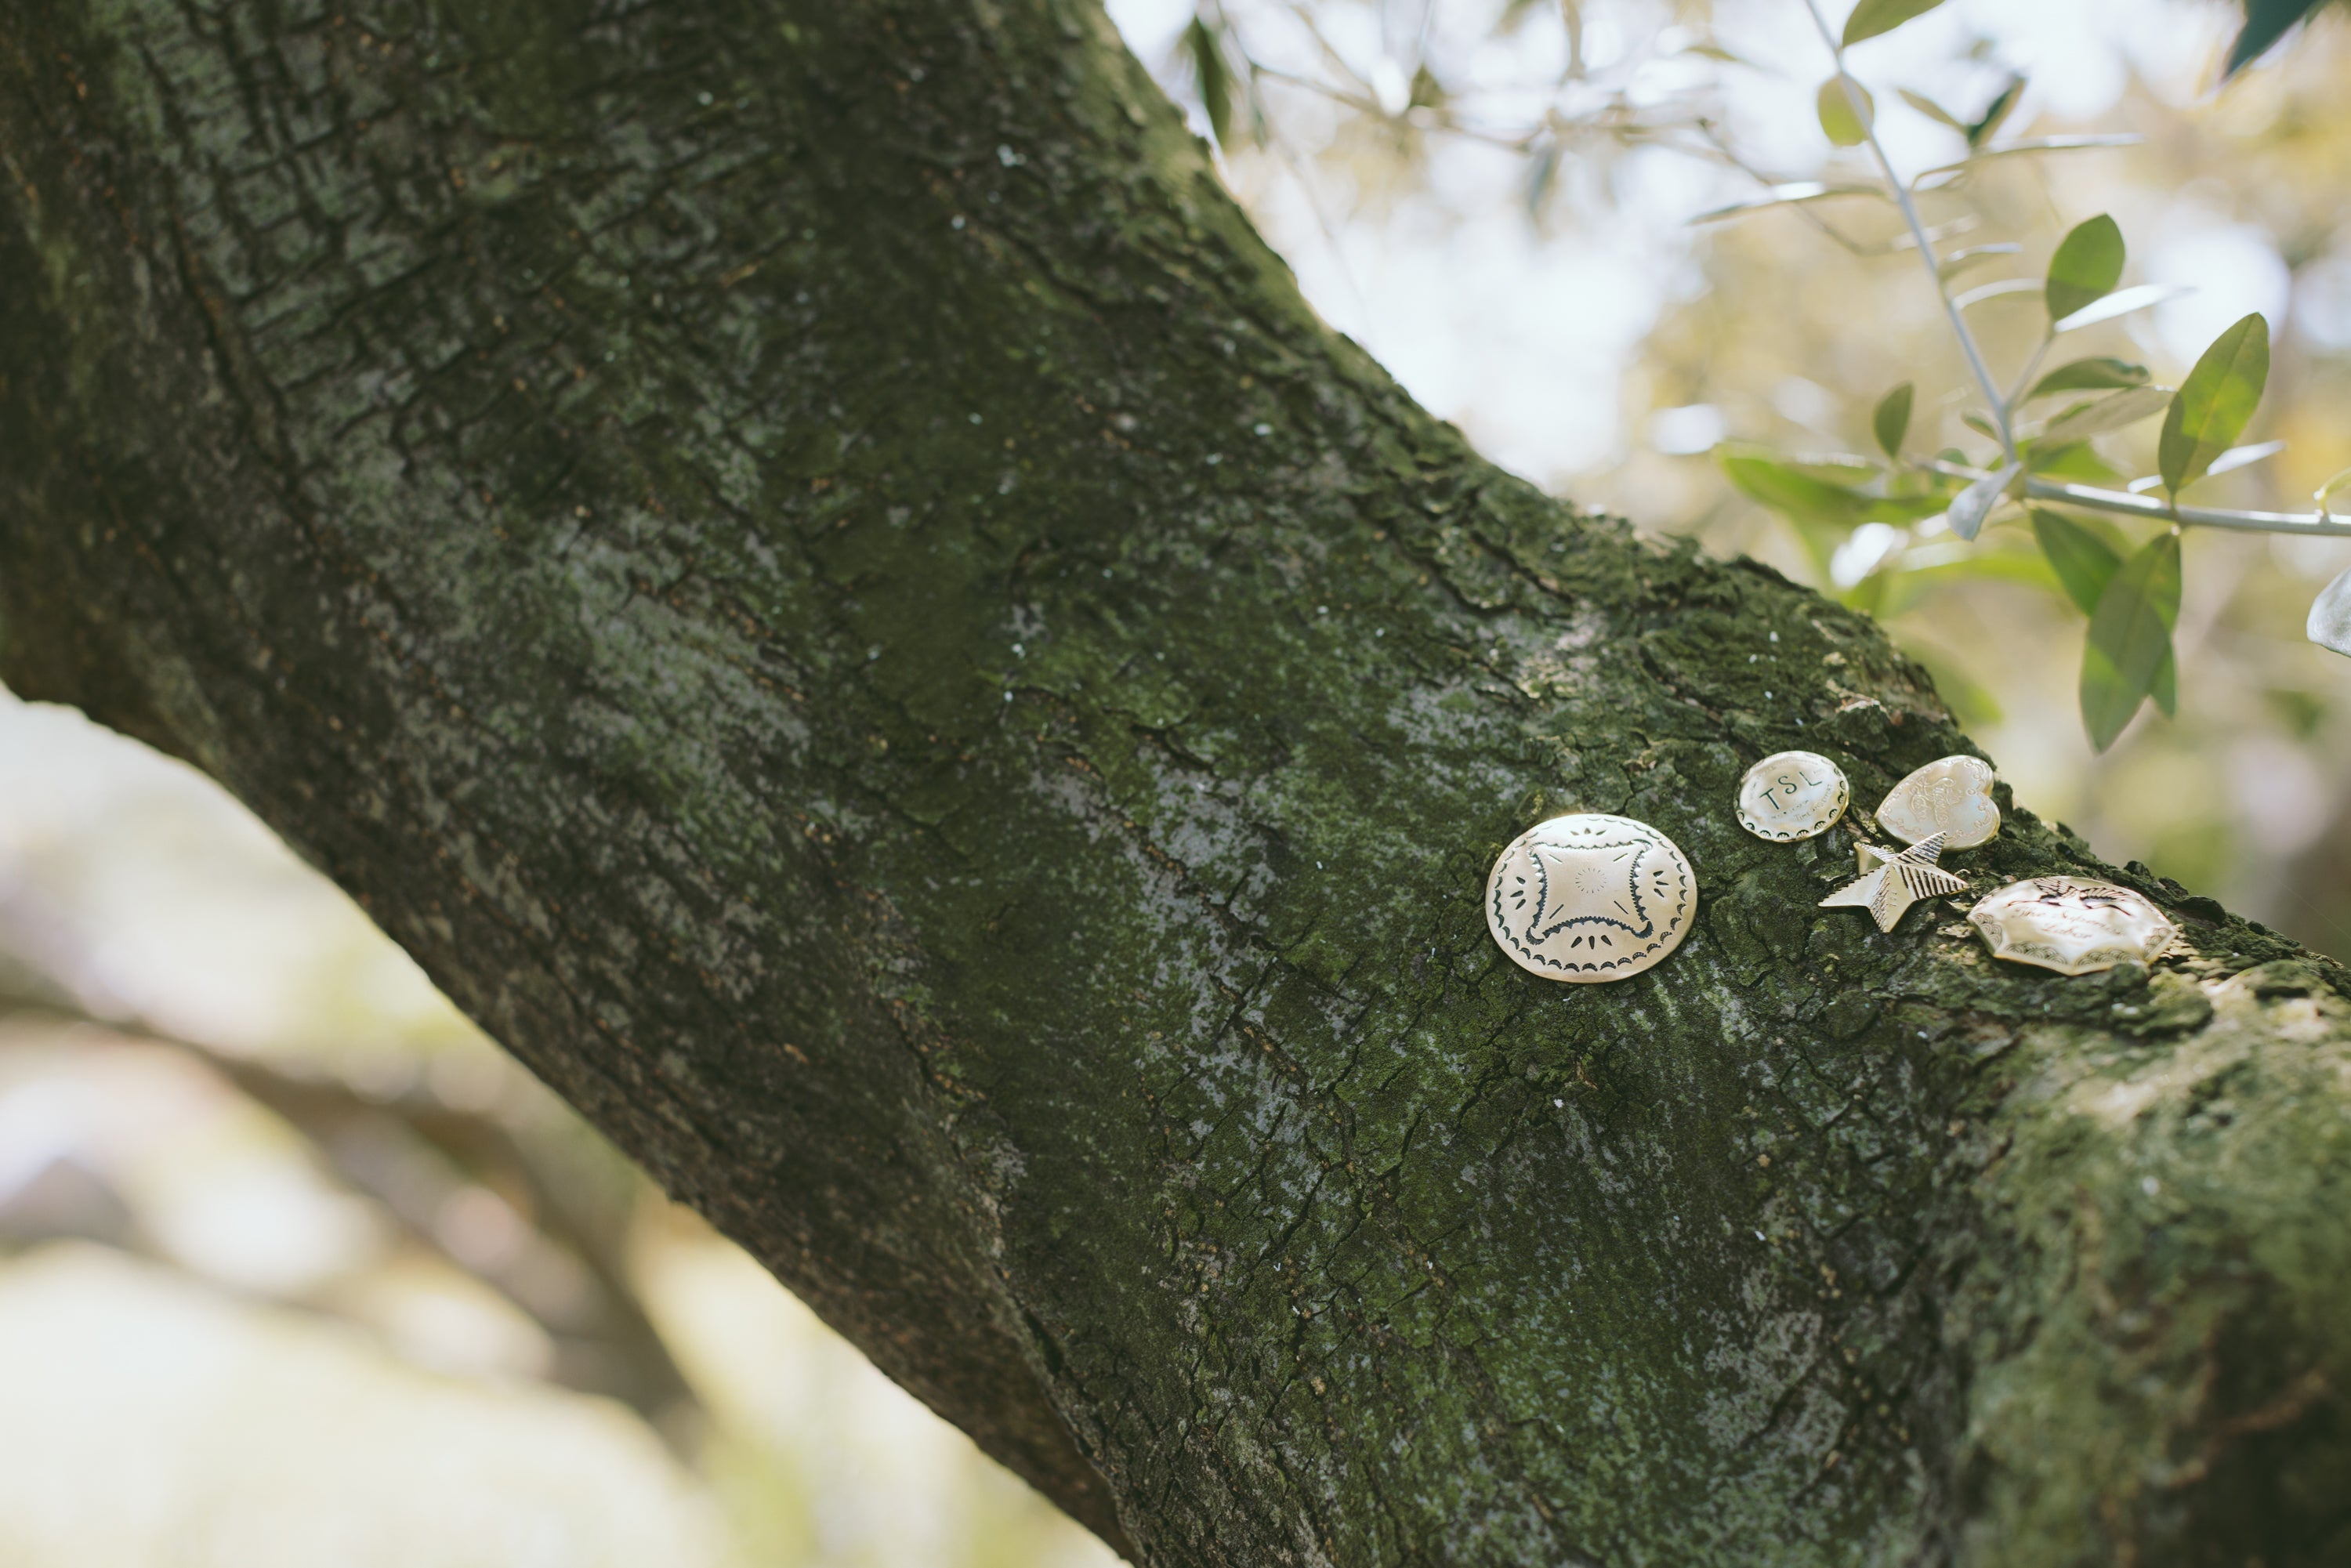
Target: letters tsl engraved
[(1793, 795)]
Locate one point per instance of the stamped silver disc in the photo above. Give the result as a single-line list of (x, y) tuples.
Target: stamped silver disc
[(1951, 796), (1793, 795), (2073, 925), (1590, 897)]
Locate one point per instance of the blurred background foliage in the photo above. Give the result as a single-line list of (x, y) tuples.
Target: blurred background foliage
[(296, 1267)]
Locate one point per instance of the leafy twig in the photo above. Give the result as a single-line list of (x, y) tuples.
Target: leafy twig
[(1901, 193)]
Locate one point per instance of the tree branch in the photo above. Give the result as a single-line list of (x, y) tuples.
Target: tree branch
[(806, 562)]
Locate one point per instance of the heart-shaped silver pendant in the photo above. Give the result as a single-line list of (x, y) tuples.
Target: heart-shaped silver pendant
[(1951, 796)]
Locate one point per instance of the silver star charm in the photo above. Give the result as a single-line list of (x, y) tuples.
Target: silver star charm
[(1890, 884)]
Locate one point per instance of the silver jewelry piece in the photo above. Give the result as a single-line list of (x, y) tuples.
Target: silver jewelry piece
[(1951, 796), (1793, 795), (1890, 884), (1590, 897), (2072, 926)]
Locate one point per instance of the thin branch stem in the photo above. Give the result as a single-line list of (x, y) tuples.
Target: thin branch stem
[(2024, 376), (1838, 236), (1617, 119), (2317, 524), (1901, 193)]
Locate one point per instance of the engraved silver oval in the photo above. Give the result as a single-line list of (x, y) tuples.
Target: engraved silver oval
[(2073, 924), (1590, 897)]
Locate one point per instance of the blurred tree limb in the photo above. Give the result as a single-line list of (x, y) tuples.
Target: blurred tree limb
[(566, 1267), (809, 565)]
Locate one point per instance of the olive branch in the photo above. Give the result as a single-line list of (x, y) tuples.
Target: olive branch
[(2042, 470)]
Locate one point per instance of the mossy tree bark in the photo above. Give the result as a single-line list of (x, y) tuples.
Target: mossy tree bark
[(804, 560)]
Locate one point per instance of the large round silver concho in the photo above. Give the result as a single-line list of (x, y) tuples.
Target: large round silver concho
[(1590, 897)]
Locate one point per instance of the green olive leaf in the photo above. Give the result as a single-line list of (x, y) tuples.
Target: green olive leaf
[(2128, 652), (1872, 17), (2088, 264), (1821, 490), (1971, 702), (2102, 414), (1996, 112), (2266, 22), (1823, 512), (1891, 421), (1984, 291), (1974, 256), (2137, 297), (1972, 505), (1931, 109), (1215, 80), (1785, 194), (2240, 456), (2084, 556), (2089, 375), (1846, 110), (2076, 461), (2329, 625), (2213, 404), (1798, 495), (1542, 174), (2326, 491), (1832, 467)]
